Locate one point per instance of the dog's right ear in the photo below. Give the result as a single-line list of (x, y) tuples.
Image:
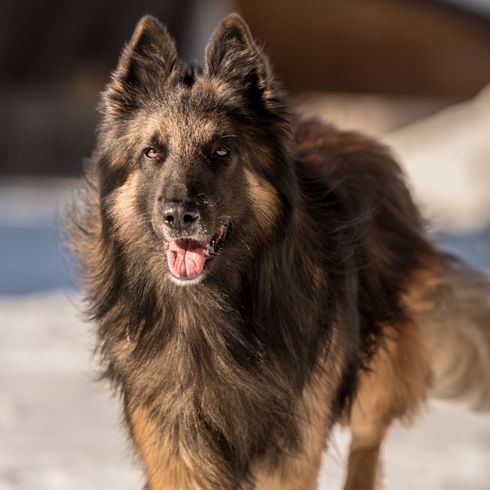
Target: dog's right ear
[(146, 63), (233, 56)]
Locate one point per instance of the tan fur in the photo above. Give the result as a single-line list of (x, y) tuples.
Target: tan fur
[(216, 86), (164, 470), (265, 198), (182, 130), (300, 470), (128, 225), (393, 387), (168, 471), (123, 211), (122, 350)]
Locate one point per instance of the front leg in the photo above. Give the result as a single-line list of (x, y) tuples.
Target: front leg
[(162, 469), (300, 470)]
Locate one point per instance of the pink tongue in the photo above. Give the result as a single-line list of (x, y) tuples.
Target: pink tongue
[(185, 258)]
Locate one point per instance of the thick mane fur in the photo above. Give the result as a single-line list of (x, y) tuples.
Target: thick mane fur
[(231, 364)]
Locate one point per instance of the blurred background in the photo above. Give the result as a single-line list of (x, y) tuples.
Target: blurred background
[(413, 73)]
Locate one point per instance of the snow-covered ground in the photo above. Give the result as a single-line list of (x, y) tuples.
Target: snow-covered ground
[(61, 430)]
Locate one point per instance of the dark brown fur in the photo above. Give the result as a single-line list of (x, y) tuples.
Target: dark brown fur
[(302, 320)]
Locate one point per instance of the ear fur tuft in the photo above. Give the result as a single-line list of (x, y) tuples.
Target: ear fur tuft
[(233, 55), (146, 63)]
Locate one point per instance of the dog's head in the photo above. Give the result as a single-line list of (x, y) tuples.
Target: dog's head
[(193, 163)]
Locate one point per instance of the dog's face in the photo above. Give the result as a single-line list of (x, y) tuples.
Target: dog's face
[(190, 160)]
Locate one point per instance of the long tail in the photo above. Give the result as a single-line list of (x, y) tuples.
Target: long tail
[(456, 316)]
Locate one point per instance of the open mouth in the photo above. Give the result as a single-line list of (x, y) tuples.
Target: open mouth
[(187, 257)]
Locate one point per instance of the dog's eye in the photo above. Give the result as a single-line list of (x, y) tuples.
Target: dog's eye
[(222, 151), (150, 153)]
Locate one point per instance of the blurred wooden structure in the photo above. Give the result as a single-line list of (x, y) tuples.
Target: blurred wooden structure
[(410, 47), (56, 56)]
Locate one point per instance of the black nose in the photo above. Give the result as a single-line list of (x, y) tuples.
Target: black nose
[(180, 215)]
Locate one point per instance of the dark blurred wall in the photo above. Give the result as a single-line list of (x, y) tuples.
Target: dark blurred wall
[(55, 57)]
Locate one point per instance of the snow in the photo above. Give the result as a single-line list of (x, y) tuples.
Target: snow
[(447, 158)]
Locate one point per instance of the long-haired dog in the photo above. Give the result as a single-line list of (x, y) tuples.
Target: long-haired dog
[(256, 278)]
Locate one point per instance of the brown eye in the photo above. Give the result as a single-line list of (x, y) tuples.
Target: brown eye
[(150, 153), (222, 151)]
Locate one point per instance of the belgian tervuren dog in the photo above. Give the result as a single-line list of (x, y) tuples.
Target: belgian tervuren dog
[(256, 278)]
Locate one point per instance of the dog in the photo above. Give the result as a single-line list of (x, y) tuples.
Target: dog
[(256, 277)]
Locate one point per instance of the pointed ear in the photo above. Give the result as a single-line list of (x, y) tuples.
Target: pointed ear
[(233, 56), (146, 62)]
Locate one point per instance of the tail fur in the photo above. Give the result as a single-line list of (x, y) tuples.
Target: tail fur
[(455, 315)]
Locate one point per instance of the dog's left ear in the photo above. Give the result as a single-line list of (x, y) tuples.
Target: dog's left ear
[(233, 56)]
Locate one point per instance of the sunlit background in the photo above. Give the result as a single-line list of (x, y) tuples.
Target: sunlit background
[(413, 73)]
